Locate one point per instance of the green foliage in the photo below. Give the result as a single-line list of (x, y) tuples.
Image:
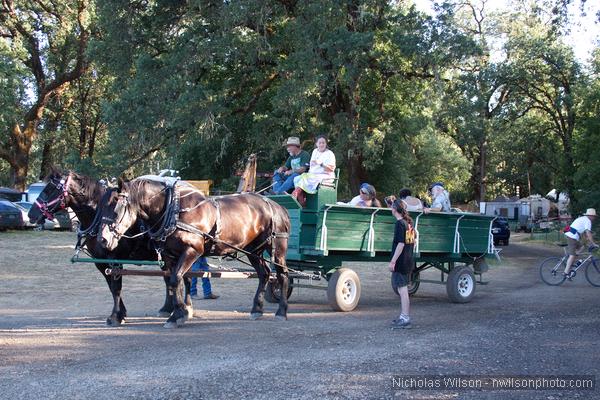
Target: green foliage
[(587, 177), (543, 76), (221, 80), (406, 99)]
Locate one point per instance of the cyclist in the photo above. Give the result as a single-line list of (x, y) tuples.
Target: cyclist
[(581, 226)]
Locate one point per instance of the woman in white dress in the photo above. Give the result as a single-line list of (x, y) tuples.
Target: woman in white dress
[(322, 168)]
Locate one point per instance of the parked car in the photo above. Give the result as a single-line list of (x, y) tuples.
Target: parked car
[(25, 206), (10, 194), (10, 216), (34, 190), (501, 231), (66, 219)]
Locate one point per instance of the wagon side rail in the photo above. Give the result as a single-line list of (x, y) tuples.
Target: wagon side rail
[(339, 229)]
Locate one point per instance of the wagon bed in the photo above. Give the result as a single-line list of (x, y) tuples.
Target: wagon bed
[(325, 235)]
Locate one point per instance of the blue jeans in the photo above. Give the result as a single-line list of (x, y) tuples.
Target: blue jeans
[(200, 265), (283, 183)]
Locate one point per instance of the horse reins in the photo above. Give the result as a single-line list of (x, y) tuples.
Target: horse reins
[(93, 229)]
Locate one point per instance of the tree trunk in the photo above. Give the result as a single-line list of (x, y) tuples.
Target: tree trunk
[(83, 135), (482, 161), (18, 158), (475, 180), (47, 157), (568, 164), (356, 172), (93, 135)]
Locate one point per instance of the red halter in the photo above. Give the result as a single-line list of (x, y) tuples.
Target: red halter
[(45, 206)]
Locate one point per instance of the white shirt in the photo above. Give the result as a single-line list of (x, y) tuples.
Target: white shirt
[(327, 158), (581, 225), (412, 204), (442, 201)]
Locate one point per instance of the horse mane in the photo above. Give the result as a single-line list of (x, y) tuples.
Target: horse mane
[(138, 188), (88, 186), (135, 191)]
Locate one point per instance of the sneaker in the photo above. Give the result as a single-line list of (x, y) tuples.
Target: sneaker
[(569, 275), (211, 296), (401, 323)]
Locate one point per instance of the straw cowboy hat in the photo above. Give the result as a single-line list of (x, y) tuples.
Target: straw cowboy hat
[(591, 212), (292, 141)]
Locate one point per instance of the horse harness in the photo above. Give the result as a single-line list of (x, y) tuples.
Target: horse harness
[(47, 209), (93, 229), (171, 223), (59, 203)]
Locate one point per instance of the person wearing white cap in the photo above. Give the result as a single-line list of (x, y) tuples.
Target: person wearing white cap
[(440, 199), (581, 226)]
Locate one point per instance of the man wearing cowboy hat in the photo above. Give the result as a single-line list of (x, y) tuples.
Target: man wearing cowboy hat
[(581, 226), (283, 179)]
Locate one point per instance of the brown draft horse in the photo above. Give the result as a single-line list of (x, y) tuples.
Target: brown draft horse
[(202, 226), (83, 194)]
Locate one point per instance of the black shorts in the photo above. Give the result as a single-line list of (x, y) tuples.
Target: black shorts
[(399, 280)]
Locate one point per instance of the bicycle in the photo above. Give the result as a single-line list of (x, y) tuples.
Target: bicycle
[(552, 269)]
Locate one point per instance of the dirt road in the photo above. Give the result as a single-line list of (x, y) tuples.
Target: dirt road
[(54, 343)]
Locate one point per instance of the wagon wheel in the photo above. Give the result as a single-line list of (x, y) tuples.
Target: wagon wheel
[(413, 285), (461, 284), (343, 290), (273, 290)]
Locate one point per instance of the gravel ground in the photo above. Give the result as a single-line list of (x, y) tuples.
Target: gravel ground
[(54, 343)]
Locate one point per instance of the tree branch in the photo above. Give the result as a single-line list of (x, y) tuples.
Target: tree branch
[(149, 152), (257, 93)]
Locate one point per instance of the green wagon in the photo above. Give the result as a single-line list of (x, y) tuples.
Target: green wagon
[(325, 235)]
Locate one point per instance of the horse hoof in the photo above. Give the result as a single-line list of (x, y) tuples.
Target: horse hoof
[(170, 325), (113, 322), (254, 316), (165, 314), (189, 313), (180, 322), (281, 318)]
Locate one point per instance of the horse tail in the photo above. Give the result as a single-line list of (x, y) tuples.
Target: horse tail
[(280, 229), (279, 218)]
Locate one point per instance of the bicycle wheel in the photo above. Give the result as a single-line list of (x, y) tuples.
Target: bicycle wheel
[(592, 272), (552, 271)]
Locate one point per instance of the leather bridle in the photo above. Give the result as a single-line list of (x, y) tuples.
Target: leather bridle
[(49, 208)]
